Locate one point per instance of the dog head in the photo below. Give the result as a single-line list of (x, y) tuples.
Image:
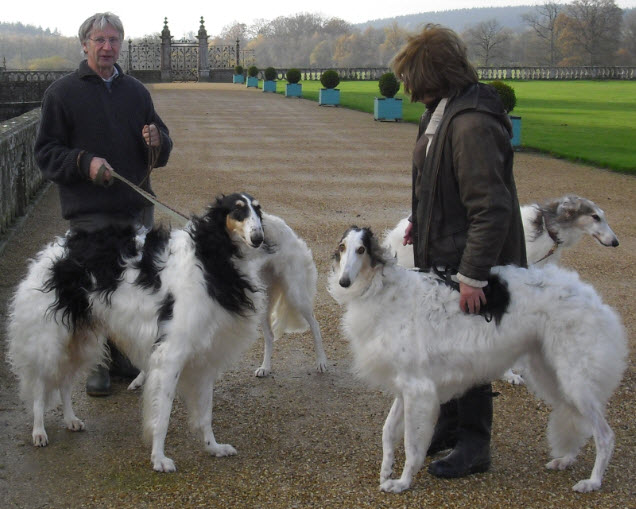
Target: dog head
[(243, 218), (583, 216)]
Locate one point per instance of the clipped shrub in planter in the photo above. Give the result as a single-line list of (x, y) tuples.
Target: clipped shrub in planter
[(252, 77), (509, 100), (330, 95), (388, 107), (269, 84), (293, 88), (238, 74)]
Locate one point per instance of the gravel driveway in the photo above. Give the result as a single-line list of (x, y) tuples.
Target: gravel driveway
[(306, 439)]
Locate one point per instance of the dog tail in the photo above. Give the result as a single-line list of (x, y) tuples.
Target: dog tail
[(284, 317)]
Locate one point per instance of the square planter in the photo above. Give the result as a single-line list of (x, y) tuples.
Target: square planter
[(269, 86), (329, 97), (238, 78), (252, 82), (516, 132), (293, 90), (386, 109)]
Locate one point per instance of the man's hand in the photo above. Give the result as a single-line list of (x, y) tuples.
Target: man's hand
[(408, 234), (96, 164), (470, 298), (151, 135)]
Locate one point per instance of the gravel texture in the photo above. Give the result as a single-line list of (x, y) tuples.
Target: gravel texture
[(306, 439)]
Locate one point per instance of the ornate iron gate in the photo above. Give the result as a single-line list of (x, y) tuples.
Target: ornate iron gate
[(184, 61)]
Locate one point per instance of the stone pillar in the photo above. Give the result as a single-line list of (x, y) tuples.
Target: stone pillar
[(166, 52), (204, 67)]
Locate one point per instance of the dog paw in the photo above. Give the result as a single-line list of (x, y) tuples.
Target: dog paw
[(220, 450), (586, 486), (164, 465), (512, 378), (394, 486), (560, 463), (75, 424), (40, 439), (262, 372), (137, 382), (321, 367)]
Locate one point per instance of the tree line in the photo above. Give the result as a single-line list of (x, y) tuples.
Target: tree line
[(585, 32)]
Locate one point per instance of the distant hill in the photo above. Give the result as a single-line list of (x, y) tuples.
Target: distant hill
[(457, 19)]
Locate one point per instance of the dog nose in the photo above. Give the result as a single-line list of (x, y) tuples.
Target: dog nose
[(256, 239), (615, 243), (345, 282)]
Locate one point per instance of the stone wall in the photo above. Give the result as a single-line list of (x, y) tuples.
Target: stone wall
[(20, 177)]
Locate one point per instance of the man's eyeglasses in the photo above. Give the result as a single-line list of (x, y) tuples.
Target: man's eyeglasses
[(100, 41)]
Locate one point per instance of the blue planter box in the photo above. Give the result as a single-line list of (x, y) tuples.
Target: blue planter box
[(385, 108), (516, 131), (269, 86), (252, 82), (329, 97), (238, 78), (293, 90)]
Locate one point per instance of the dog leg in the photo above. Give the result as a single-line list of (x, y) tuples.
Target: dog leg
[(266, 367), (71, 421), (391, 432), (40, 438), (604, 442), (321, 358), (211, 445), (159, 394), (421, 408)]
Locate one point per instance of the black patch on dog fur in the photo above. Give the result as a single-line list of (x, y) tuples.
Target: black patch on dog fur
[(92, 262), (149, 271), (214, 249), (166, 309)]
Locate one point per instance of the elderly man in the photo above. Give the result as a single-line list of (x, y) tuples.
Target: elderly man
[(100, 118)]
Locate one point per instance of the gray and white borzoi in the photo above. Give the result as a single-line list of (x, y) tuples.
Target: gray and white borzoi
[(409, 336), (182, 306)]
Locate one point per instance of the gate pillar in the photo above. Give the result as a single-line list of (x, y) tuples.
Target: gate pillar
[(166, 51), (204, 66)]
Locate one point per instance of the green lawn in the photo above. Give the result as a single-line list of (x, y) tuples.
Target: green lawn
[(588, 121)]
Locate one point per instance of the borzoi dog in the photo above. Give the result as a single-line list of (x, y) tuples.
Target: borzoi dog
[(409, 336), (548, 229), (182, 306), (289, 277)]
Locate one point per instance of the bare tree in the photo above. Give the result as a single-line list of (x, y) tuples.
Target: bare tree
[(488, 41), (590, 31), (628, 45), (543, 22)]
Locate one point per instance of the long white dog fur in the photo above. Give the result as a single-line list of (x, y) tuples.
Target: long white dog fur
[(408, 336), (197, 312)]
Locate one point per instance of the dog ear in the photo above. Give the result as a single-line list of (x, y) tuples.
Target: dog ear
[(568, 206)]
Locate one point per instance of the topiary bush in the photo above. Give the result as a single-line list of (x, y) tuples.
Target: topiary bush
[(238, 69), (506, 94), (330, 79), (389, 85), (293, 76), (252, 71), (270, 74)]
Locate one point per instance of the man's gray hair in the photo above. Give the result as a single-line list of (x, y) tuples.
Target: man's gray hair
[(99, 21)]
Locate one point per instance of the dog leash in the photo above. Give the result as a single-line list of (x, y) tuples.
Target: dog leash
[(99, 180)]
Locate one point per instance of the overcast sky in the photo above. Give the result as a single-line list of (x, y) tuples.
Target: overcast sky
[(144, 17)]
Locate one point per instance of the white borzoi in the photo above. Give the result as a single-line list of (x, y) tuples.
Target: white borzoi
[(409, 336), (548, 229), (182, 307), (289, 277)]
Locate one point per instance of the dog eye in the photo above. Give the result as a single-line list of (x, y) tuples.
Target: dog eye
[(341, 248), (360, 250), (595, 217)]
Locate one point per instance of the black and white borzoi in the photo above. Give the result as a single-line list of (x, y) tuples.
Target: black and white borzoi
[(409, 336), (182, 306)]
